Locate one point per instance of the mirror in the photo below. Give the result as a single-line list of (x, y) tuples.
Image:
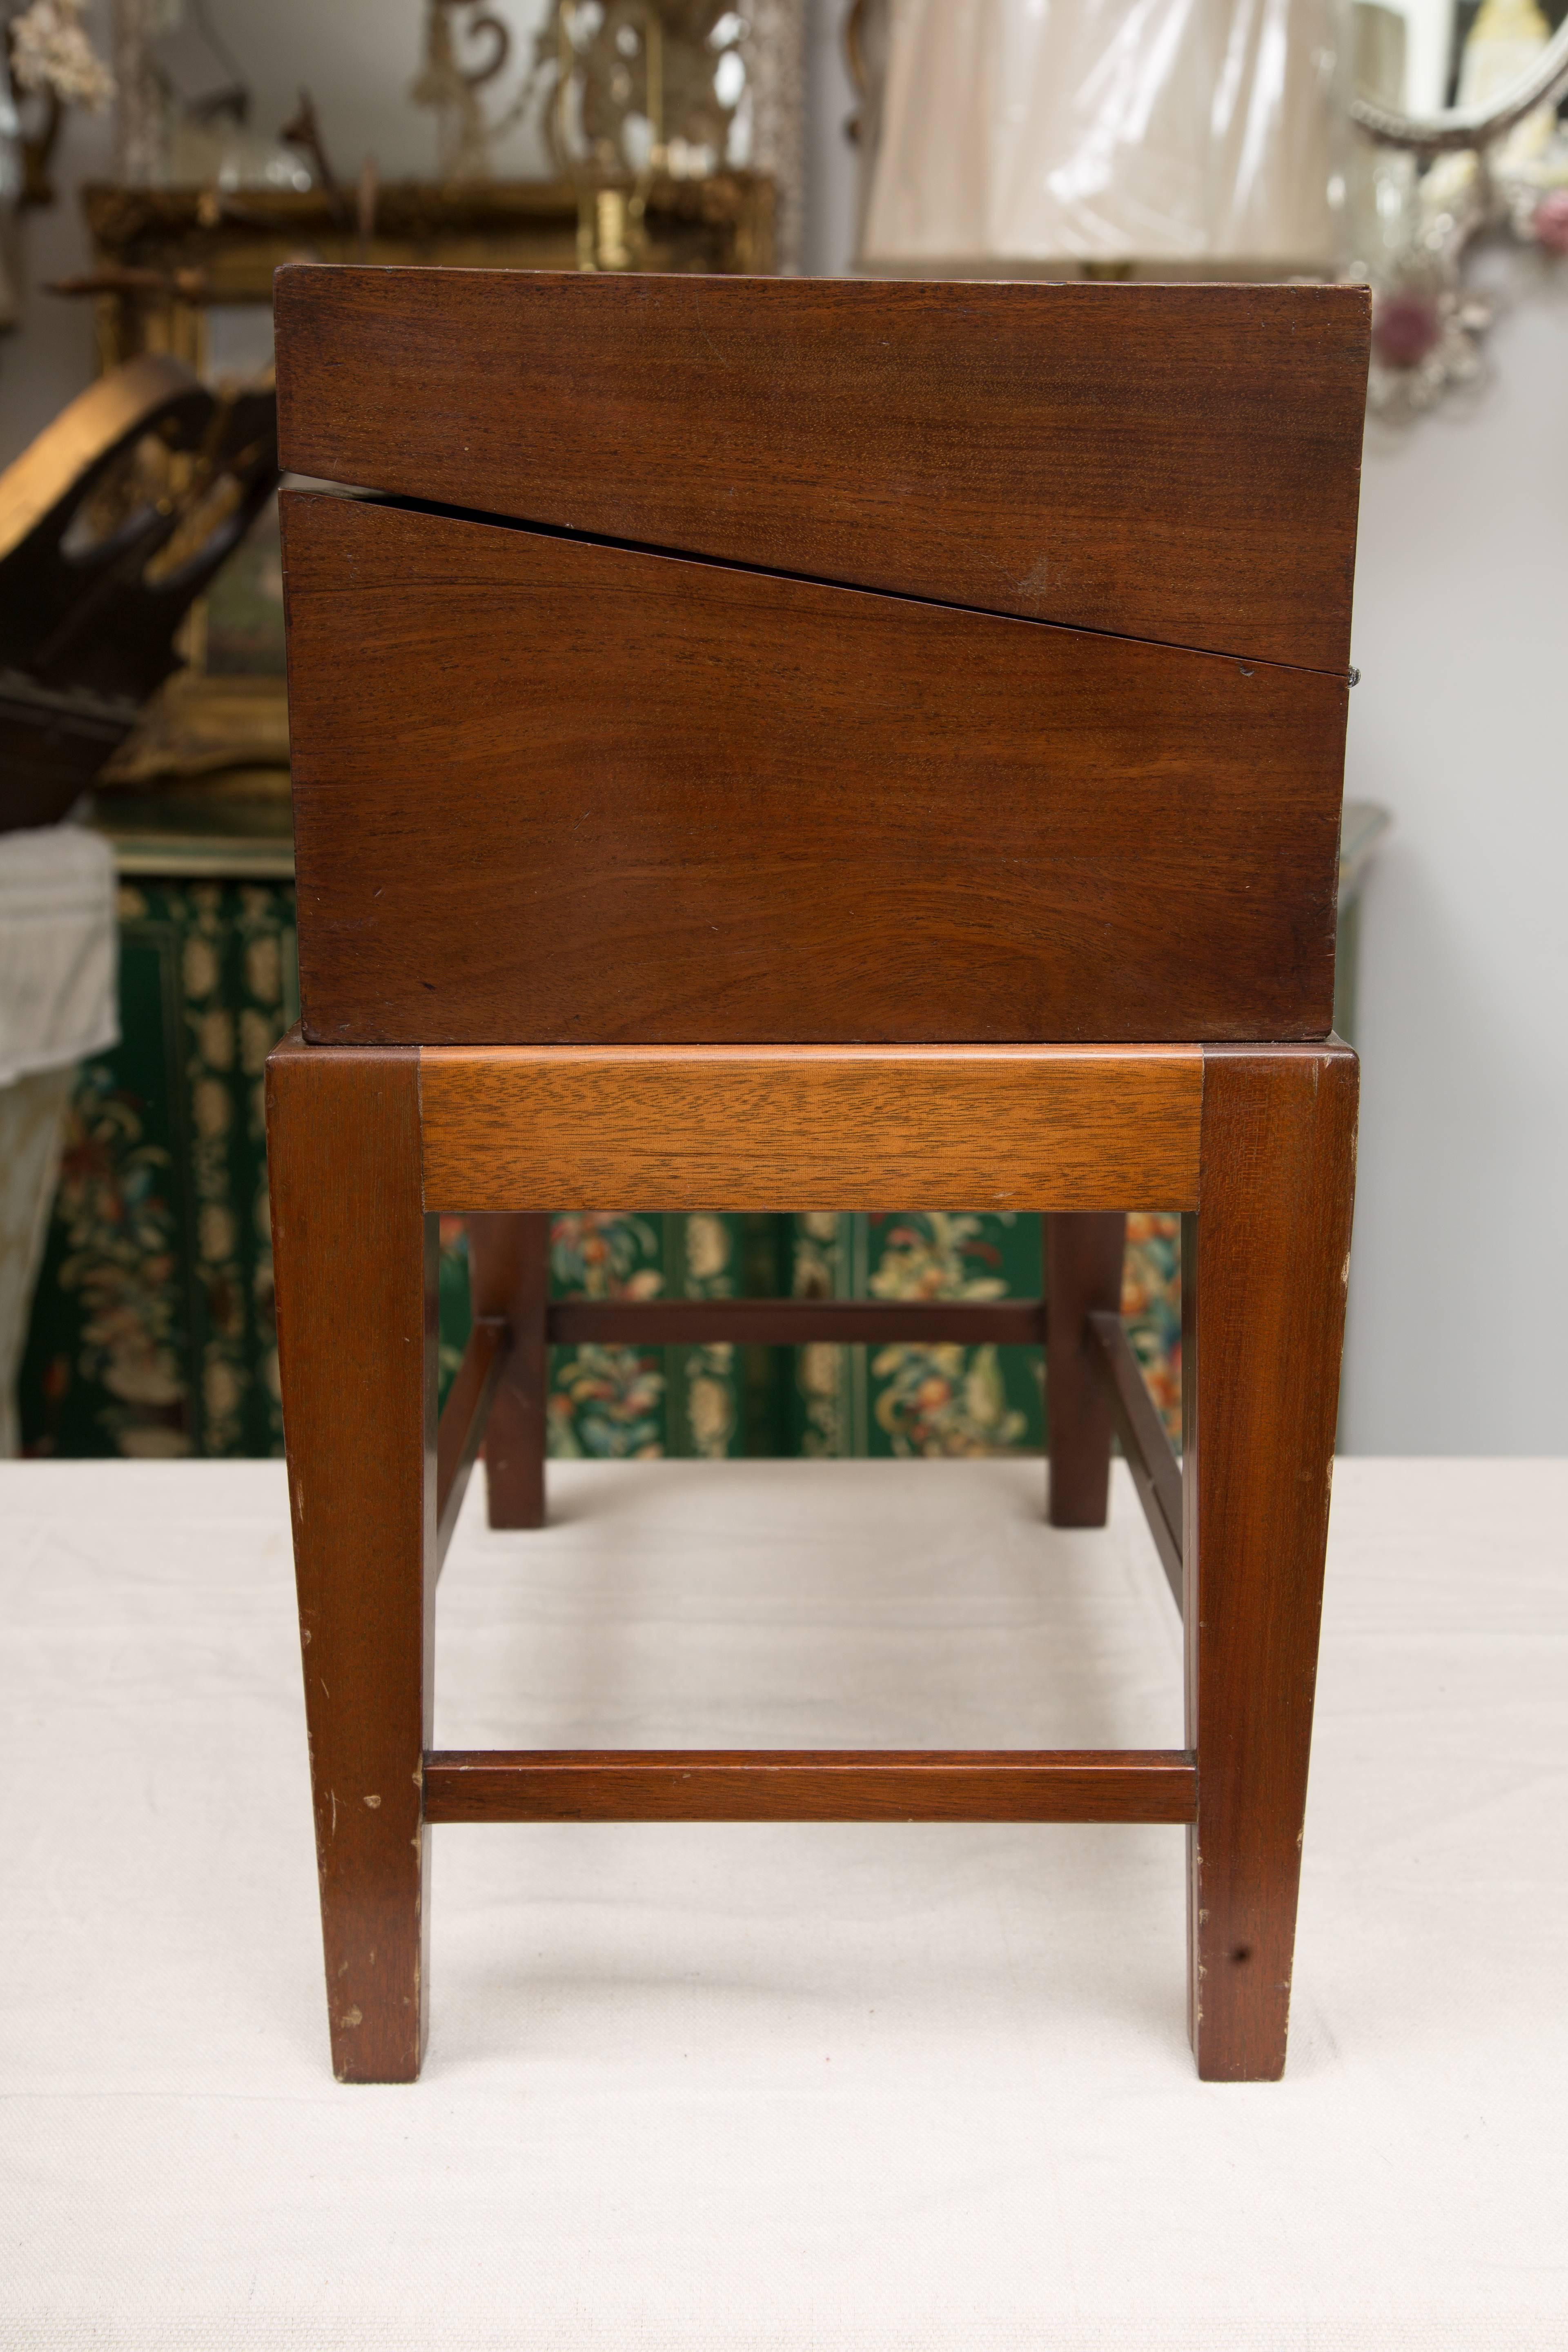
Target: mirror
[(1459, 129), (449, 93)]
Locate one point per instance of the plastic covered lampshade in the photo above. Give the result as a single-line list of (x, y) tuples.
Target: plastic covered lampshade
[(1047, 133)]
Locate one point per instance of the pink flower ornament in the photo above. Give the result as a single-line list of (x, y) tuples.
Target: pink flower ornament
[(1404, 327), (1550, 221)]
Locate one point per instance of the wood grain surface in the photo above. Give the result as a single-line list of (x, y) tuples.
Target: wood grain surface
[(1083, 1259), (509, 1276), (1264, 1270), (1173, 462), (355, 1269), (461, 1428), (795, 1322), (796, 1785), (556, 793), (804, 1127), (1156, 1473)]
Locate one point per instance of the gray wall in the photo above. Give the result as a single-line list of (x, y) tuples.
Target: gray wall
[(1459, 1284), (829, 158)]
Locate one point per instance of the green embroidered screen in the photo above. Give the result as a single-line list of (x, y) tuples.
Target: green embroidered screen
[(152, 1328)]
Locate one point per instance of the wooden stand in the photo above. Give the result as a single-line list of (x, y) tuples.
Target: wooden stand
[(744, 693), (1256, 1145)]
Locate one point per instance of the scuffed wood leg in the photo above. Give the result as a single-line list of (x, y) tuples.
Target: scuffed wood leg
[(1083, 1272), (1264, 1267), (356, 1261), (509, 1275)]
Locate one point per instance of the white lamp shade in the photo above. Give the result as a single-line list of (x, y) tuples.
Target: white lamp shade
[(1047, 132)]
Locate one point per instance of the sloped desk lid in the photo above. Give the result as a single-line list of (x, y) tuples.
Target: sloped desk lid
[(1179, 463)]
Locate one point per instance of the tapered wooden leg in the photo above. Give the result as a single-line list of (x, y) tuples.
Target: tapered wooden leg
[(1083, 1272), (1264, 1268), (509, 1275), (356, 1280)]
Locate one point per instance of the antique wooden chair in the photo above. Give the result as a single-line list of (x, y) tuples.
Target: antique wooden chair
[(796, 745)]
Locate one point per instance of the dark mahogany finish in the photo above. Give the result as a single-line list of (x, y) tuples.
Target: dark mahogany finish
[(1264, 1268), (355, 1261), (1043, 754), (792, 1322), (706, 1784), (464, 1417), (548, 791), (1083, 1258), (509, 1276), (1176, 462), (1156, 1473)]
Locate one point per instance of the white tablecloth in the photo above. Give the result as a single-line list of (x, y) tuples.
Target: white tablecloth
[(893, 2088)]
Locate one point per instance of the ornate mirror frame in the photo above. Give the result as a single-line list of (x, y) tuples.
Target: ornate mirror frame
[(1436, 183)]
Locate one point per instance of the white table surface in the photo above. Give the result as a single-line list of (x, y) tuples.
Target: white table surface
[(890, 2086)]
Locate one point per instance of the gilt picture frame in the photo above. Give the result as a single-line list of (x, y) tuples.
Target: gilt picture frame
[(189, 271)]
